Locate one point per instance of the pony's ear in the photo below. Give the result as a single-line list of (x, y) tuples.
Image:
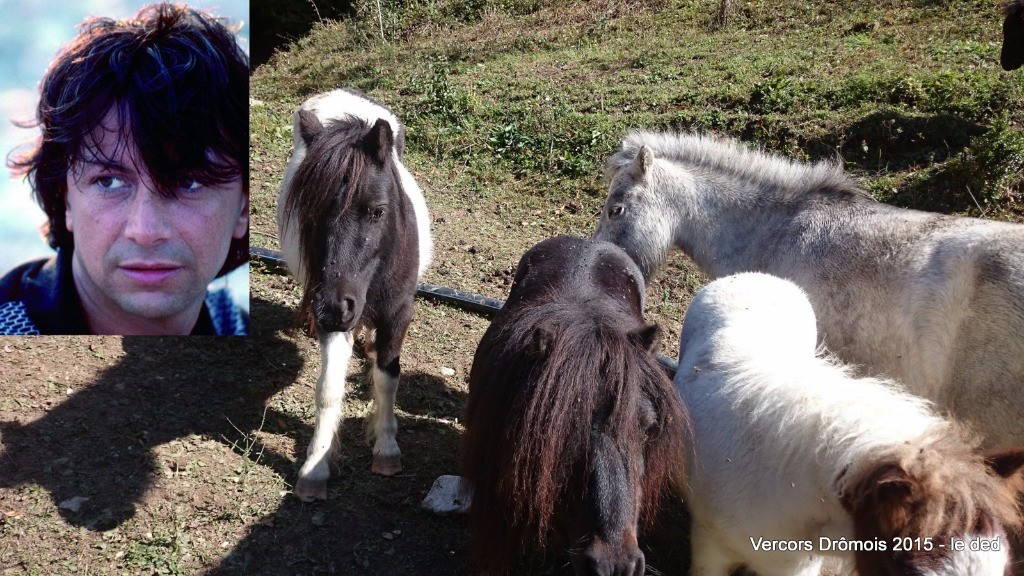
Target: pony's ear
[(642, 162), (1012, 55), (378, 141), (646, 338), (888, 499), (542, 341), (1008, 465), (309, 126)]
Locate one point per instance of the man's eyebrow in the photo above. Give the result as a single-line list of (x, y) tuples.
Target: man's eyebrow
[(105, 164)]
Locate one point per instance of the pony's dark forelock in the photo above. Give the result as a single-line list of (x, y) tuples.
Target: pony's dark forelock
[(322, 191), (176, 80), (586, 363)]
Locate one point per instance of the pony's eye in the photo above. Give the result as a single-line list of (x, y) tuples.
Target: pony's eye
[(615, 210), (377, 213)]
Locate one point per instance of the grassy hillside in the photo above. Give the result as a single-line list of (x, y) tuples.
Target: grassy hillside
[(512, 107)]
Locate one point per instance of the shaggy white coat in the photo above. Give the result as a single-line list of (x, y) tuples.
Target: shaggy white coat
[(934, 301), (781, 432)]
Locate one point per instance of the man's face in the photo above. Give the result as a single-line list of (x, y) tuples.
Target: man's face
[(138, 253)]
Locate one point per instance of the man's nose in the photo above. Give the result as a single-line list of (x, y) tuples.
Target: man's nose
[(149, 218)]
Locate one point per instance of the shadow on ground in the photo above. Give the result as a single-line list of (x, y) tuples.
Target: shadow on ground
[(369, 524), (99, 443)]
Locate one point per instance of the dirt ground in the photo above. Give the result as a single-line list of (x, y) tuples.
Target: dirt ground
[(155, 455), (185, 450)]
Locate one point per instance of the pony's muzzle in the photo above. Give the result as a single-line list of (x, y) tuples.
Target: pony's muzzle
[(339, 314), (601, 560)]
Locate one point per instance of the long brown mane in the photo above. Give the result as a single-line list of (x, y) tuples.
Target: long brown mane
[(546, 375)]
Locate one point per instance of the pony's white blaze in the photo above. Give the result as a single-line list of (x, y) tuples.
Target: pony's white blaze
[(784, 438), (933, 301)]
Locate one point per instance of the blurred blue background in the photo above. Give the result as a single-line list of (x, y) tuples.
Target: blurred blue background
[(31, 34)]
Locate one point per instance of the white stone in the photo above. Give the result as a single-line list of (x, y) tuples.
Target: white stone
[(446, 496), (73, 504)]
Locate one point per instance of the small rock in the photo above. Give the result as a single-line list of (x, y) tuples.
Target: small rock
[(445, 371), (446, 496), (73, 504)]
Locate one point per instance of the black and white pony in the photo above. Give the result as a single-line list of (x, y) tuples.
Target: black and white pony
[(354, 230), (573, 429), (934, 301)]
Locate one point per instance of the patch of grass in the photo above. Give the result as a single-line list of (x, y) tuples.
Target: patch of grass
[(249, 447), (155, 553), (992, 165)]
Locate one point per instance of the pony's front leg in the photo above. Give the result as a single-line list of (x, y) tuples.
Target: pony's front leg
[(335, 351), (382, 425)]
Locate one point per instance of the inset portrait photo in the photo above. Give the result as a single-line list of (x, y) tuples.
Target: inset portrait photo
[(125, 209)]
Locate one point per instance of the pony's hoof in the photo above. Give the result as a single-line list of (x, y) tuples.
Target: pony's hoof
[(311, 490), (386, 465)]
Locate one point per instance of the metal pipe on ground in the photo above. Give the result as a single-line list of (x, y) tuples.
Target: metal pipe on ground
[(273, 262)]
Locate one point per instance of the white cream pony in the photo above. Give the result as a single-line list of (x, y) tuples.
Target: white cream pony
[(794, 460), (934, 301)]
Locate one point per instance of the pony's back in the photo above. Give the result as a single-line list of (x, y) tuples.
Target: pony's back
[(570, 267), (761, 314), (748, 356)]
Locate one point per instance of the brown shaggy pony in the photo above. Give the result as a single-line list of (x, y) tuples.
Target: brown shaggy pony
[(572, 427)]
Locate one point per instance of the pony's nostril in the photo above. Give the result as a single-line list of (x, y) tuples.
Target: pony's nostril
[(347, 309), (597, 562), (639, 565), (593, 566)]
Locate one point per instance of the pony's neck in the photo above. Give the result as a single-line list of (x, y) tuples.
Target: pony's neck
[(724, 227)]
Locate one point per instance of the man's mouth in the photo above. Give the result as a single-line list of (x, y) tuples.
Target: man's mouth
[(149, 273)]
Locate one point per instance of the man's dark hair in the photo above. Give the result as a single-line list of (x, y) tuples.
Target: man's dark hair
[(178, 83)]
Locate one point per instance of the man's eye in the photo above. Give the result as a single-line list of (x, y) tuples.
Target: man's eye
[(190, 184), (109, 182)]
